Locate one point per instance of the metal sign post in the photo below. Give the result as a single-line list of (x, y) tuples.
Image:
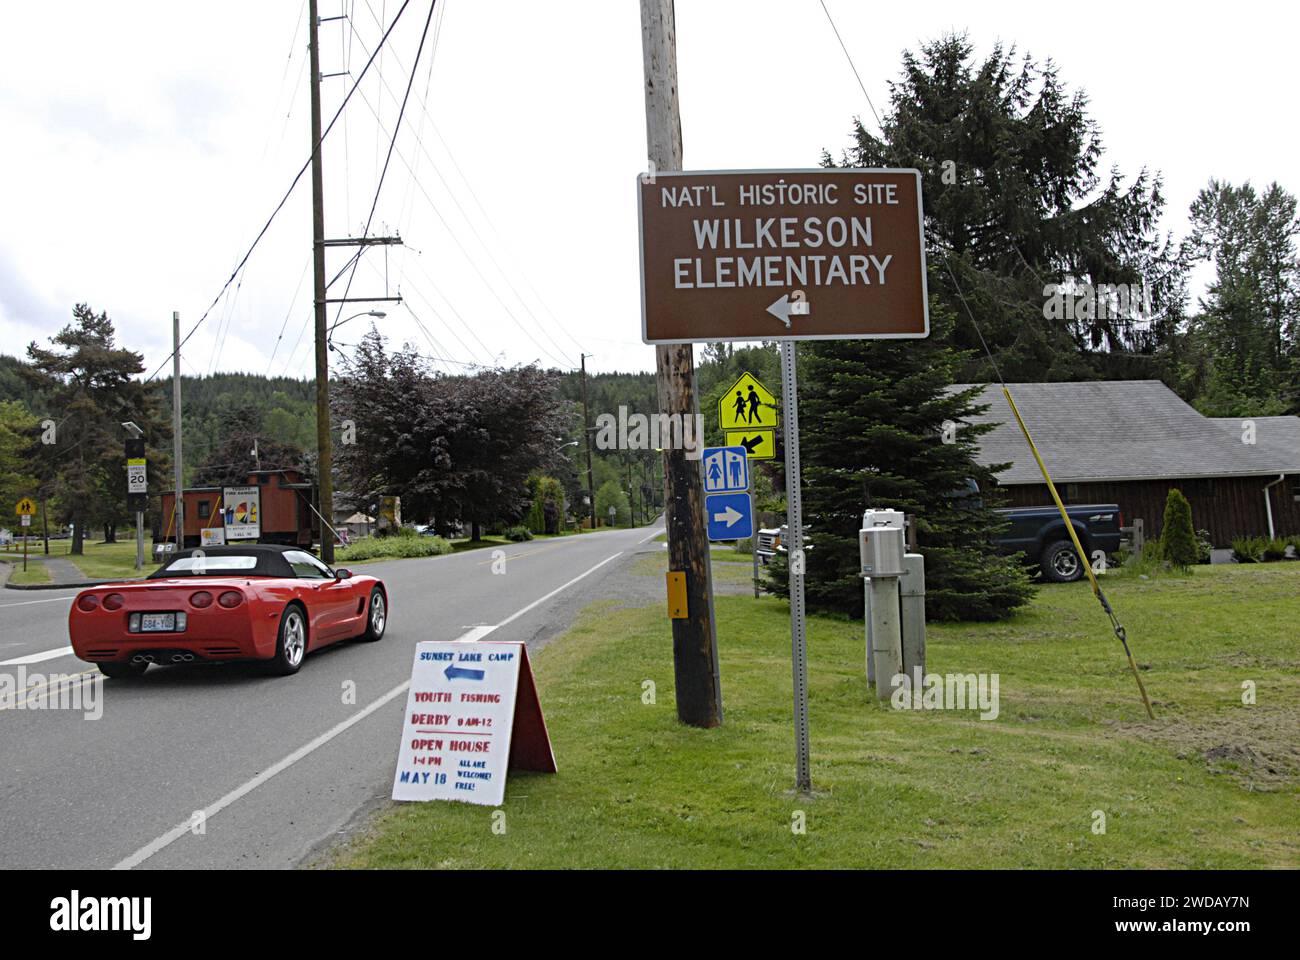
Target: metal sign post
[(788, 255), (25, 509), (795, 552)]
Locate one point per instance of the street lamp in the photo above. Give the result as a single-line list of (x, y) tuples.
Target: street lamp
[(378, 314)]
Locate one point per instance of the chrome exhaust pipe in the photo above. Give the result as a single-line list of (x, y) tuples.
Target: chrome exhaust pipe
[(178, 658), (187, 657), (138, 658)]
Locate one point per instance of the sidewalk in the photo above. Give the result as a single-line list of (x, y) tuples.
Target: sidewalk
[(63, 574)]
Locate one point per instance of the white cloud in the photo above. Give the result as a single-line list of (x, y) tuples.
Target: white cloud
[(147, 144)]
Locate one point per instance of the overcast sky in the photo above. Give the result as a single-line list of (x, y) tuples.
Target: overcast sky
[(145, 144)]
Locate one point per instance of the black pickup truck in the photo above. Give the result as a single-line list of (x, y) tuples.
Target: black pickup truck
[(1037, 531), (1041, 534)]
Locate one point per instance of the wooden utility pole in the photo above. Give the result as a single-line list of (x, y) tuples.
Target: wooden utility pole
[(324, 452), (178, 508), (324, 446), (695, 643), (586, 434)]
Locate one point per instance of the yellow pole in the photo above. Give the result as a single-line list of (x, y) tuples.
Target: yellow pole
[(1083, 557)]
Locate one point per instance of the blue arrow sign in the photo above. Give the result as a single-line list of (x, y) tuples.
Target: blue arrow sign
[(730, 516), (453, 672), (726, 469)]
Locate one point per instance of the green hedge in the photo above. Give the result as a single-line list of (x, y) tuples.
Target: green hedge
[(392, 548)]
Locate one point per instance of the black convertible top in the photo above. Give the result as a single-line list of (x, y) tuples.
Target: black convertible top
[(269, 556)]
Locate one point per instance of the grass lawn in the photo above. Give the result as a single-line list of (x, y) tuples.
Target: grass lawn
[(1212, 783), (35, 573), (101, 561)]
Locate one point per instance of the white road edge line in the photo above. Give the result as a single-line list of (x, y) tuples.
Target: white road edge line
[(178, 831), (26, 603), (540, 600), (38, 657)]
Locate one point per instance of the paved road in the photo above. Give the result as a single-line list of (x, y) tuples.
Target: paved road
[(279, 765)]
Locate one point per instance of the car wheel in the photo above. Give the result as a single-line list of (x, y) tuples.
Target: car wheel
[(291, 645), (122, 669), (376, 616), (1060, 563)]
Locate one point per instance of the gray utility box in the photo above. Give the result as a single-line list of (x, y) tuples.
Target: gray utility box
[(881, 543)]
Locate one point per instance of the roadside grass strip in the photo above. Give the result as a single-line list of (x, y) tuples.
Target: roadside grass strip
[(1212, 783)]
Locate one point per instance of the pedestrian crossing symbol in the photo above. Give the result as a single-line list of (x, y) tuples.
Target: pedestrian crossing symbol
[(747, 405), (26, 508), (726, 469)]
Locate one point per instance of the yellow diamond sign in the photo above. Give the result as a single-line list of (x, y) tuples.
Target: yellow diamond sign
[(747, 405), (25, 508)]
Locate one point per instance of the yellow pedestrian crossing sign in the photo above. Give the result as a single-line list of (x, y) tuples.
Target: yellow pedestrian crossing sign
[(25, 508), (747, 405)]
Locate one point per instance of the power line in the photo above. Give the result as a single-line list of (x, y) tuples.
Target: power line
[(470, 260), (852, 67), (559, 355), (392, 143), (288, 313), (283, 200)]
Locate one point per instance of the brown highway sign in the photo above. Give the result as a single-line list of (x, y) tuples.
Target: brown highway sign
[(776, 254)]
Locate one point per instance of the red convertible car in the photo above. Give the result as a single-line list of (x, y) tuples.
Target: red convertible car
[(254, 602)]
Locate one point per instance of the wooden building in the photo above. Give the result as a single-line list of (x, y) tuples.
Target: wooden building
[(286, 517), (1131, 441)]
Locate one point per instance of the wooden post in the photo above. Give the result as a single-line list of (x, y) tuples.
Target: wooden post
[(324, 448), (695, 646)]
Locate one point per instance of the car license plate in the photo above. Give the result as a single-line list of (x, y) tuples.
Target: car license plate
[(158, 623)]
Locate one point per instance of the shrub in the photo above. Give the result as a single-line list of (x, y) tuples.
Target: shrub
[(610, 494), (1204, 546), (518, 534), (1248, 549), (1177, 536), (1273, 550), (393, 547), (745, 546), (1146, 564)]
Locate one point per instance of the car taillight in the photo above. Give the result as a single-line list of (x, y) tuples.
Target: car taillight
[(114, 601), (201, 599), (87, 602), (231, 598)]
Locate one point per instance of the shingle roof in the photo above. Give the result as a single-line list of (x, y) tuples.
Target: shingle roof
[(1126, 430)]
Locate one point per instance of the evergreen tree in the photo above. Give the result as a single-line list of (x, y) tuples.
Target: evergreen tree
[(1015, 200), (1177, 535), (247, 446), (90, 386), (1240, 352), (17, 473), (872, 429)]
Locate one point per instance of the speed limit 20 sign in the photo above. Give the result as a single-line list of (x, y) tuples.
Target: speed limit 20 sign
[(137, 479)]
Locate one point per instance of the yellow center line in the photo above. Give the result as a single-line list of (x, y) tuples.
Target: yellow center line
[(520, 556)]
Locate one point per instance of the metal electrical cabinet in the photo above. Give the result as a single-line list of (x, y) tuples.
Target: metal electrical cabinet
[(881, 543)]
